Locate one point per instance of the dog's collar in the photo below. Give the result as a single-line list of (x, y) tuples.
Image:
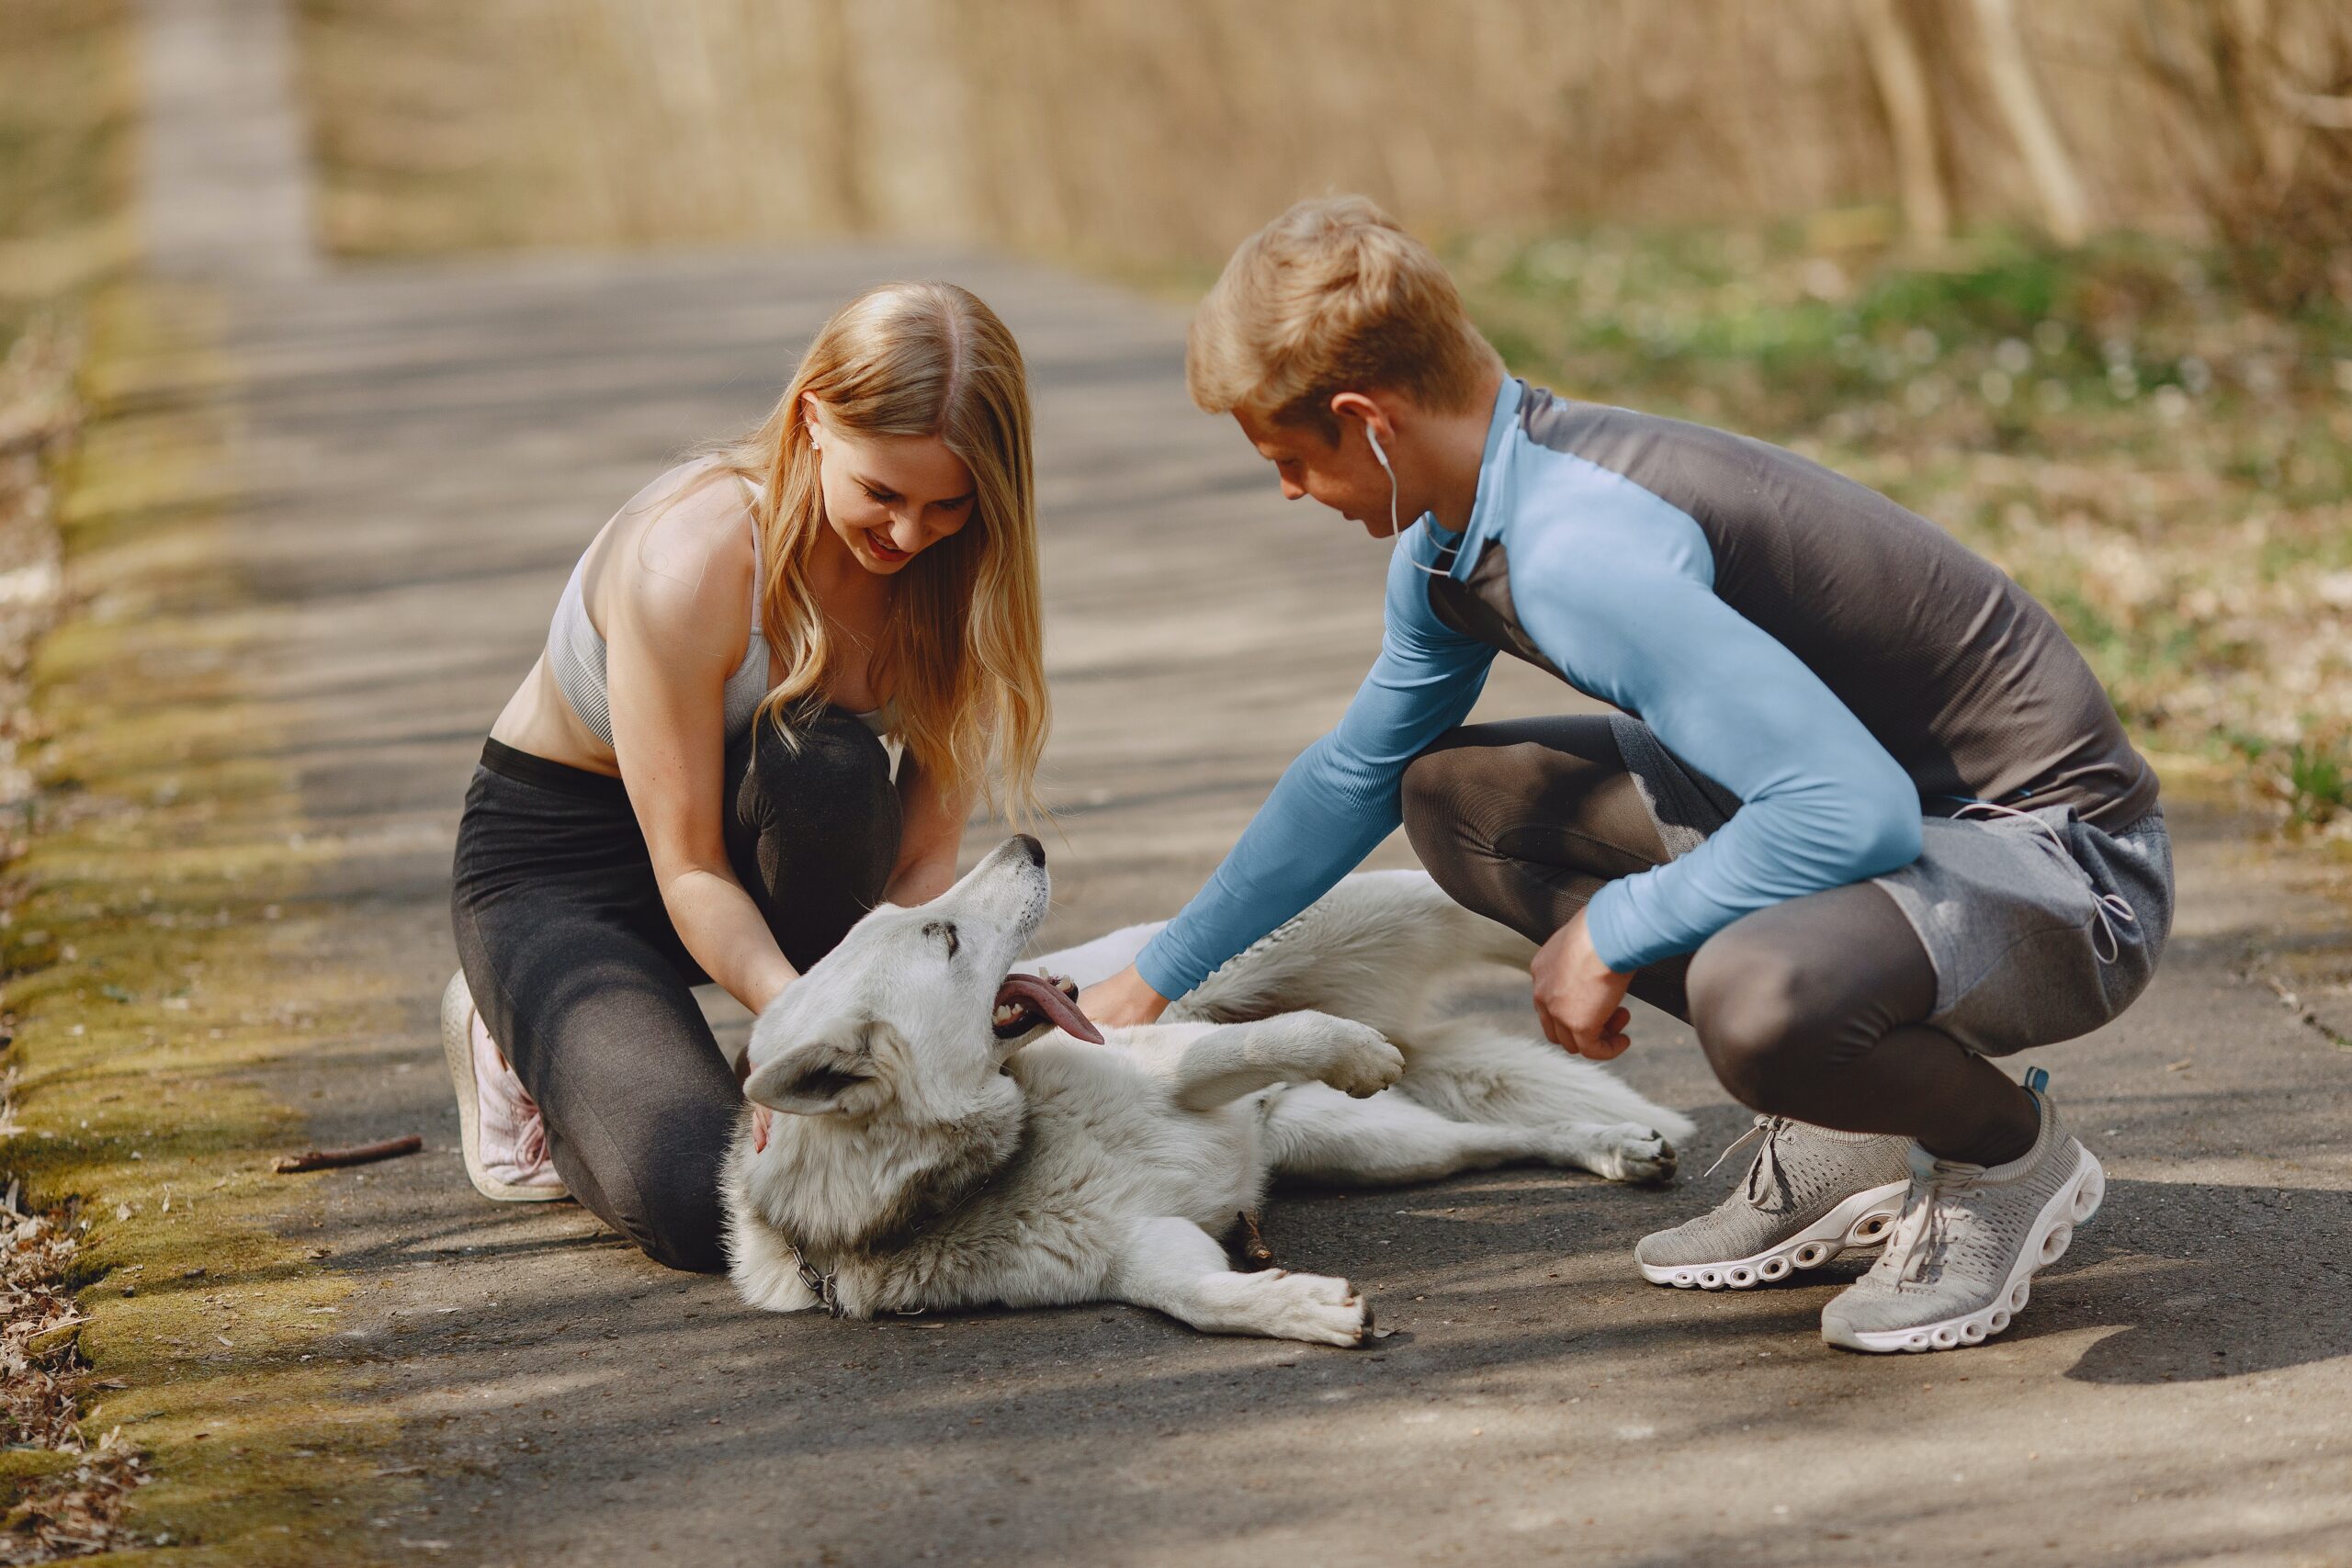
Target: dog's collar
[(821, 1285), (821, 1281)]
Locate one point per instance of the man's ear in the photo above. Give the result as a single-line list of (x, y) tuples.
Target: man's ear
[(832, 1076), (1365, 413)]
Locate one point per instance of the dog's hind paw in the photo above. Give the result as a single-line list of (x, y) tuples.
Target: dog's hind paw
[(1622, 1151)]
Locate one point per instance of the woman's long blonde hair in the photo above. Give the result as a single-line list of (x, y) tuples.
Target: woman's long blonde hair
[(962, 661)]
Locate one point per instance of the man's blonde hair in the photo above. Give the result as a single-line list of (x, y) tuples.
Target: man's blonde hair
[(1332, 296)]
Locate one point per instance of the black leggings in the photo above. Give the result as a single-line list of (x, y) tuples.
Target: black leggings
[(1811, 1008), (584, 985)]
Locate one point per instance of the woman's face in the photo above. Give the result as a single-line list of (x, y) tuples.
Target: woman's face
[(890, 498)]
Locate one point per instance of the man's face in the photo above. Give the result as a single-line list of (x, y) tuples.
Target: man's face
[(1343, 474)]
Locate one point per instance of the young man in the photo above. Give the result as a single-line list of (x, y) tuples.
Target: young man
[(1865, 819)]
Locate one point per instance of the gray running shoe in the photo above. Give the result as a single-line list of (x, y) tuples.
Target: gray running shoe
[(1809, 1195), (1961, 1262)]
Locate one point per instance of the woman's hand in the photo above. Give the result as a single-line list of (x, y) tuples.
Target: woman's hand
[(1577, 996), (1124, 999)]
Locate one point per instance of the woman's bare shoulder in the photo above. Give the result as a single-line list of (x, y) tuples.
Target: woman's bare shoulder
[(687, 540)]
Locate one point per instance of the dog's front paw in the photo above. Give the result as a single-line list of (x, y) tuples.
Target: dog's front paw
[(1631, 1152), (1362, 1061), (1312, 1307)]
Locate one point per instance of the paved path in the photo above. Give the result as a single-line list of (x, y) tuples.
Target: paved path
[(426, 451)]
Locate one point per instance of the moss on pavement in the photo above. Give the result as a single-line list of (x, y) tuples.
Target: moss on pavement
[(154, 961)]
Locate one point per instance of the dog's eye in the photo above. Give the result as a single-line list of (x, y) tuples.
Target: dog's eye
[(945, 931)]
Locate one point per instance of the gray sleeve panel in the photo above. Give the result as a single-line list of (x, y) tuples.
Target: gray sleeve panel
[(1960, 674)]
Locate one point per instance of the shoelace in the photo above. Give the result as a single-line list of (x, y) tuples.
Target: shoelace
[(531, 1143), (1924, 1232), (1767, 1164), (2110, 907), (531, 1131)]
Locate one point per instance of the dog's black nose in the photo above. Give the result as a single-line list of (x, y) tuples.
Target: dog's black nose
[(1031, 848)]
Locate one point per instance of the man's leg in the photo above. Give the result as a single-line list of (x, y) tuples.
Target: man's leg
[(1812, 1009), (1525, 821)]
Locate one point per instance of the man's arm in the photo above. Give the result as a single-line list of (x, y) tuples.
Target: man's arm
[(1637, 621), (1339, 798)]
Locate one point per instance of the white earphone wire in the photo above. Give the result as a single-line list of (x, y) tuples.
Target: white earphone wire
[(1396, 524)]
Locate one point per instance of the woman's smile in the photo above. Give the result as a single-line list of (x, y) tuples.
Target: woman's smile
[(878, 544)]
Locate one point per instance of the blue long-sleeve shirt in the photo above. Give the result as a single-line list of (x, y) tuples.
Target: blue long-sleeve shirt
[(1622, 592)]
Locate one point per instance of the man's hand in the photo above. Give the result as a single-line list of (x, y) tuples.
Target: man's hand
[(1125, 998), (1577, 996)]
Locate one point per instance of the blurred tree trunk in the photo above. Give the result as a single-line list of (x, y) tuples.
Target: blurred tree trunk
[(2056, 183), (840, 175), (2263, 137), (1910, 117)]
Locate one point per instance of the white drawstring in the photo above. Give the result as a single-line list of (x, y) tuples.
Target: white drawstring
[(2110, 907)]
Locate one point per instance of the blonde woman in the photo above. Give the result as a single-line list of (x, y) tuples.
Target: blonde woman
[(692, 783)]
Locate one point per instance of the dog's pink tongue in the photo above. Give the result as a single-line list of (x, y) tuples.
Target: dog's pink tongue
[(1047, 1000)]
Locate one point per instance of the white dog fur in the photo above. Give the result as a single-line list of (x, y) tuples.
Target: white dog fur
[(920, 1161)]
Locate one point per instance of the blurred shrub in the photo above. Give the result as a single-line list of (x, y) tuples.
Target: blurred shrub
[(2263, 132)]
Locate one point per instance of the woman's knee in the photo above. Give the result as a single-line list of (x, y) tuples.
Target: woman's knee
[(679, 1220), (661, 1186), (816, 825), (833, 758), (688, 1239)]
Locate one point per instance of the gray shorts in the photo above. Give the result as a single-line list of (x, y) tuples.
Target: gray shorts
[(2040, 927)]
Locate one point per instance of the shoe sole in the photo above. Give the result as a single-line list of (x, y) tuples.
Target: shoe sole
[(458, 1052), (1861, 1222), (2046, 1243)]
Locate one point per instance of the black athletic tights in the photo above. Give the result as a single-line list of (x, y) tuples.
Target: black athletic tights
[(585, 986), (1810, 1008)]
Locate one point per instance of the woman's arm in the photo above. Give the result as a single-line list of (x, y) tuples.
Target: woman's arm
[(931, 834), (676, 619)]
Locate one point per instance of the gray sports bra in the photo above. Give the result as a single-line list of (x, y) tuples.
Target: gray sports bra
[(576, 655)]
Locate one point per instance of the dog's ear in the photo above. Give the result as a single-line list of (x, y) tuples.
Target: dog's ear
[(832, 1076)]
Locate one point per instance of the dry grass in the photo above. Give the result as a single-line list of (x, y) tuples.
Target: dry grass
[(63, 1492), (1132, 131)]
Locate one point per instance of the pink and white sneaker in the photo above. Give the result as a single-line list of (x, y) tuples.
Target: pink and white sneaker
[(505, 1137)]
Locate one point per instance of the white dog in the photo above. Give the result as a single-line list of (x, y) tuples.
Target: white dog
[(955, 1134)]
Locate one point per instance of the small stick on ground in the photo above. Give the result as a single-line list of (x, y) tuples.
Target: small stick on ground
[(1254, 1249), (358, 1154)]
